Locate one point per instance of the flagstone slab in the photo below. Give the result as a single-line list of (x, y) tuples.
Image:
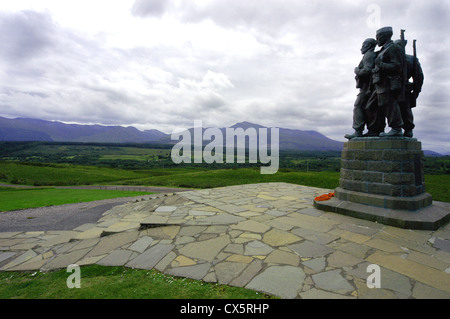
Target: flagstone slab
[(316, 264), (332, 281), (20, 259), (149, 258), (205, 250), (66, 259), (282, 257), (284, 281), (141, 244), (195, 272), (427, 275), (227, 271), (112, 242), (310, 249), (118, 257), (247, 274), (257, 248), (6, 255), (339, 259), (251, 226), (277, 237), (321, 294)]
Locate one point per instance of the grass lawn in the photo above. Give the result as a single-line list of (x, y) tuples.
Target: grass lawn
[(229, 177), (12, 199), (100, 282)]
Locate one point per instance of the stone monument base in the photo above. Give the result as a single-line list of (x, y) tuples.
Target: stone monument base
[(428, 218), (382, 180)]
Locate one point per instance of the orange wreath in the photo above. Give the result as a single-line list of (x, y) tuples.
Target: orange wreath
[(324, 197)]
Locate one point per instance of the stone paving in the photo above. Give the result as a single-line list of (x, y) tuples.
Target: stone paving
[(266, 237)]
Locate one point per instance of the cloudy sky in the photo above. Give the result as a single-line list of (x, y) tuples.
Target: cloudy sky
[(164, 63)]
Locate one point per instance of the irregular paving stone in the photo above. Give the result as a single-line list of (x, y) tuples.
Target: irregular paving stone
[(205, 250), (340, 259), (240, 259), (427, 275), (277, 237), (64, 260), (227, 271), (141, 244), (112, 242), (20, 259), (282, 257), (235, 248), (256, 248), (310, 249), (116, 258), (283, 281), (354, 249), (251, 226), (442, 244), (191, 230), (315, 236), (151, 256), (247, 274), (316, 264), (195, 272), (321, 294), (165, 261), (182, 261), (165, 232), (364, 292), (422, 291), (332, 281), (6, 255), (165, 209), (219, 219), (201, 213)]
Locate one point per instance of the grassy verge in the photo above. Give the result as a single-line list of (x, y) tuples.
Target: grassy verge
[(40, 174), (12, 199), (240, 176), (100, 282)]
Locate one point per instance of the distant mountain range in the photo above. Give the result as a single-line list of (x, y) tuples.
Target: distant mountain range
[(25, 129)]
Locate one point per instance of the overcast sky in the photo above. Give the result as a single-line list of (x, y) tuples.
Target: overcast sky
[(161, 64)]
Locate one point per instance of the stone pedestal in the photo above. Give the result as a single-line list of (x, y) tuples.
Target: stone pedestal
[(382, 180)]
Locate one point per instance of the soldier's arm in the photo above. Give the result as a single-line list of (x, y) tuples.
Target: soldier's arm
[(394, 65), (418, 77), (367, 65)]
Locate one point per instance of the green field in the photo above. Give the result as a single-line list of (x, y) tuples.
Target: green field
[(69, 174), (39, 174), (13, 199)]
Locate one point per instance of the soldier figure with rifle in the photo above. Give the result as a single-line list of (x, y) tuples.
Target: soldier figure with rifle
[(412, 89), (387, 78)]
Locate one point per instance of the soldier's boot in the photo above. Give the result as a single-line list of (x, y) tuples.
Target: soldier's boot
[(372, 134), (395, 132), (408, 133), (355, 134)]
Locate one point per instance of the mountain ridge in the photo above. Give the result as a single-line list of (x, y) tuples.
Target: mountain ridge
[(28, 129)]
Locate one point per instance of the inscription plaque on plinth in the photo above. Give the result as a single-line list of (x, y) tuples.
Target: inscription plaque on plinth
[(382, 180)]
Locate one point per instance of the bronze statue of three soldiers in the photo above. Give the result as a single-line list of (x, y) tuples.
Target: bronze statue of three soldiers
[(385, 91)]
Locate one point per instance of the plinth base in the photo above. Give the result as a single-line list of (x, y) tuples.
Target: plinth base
[(428, 218), (382, 180)]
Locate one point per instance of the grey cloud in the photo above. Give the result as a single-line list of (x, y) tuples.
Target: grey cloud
[(25, 34), (144, 8)]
